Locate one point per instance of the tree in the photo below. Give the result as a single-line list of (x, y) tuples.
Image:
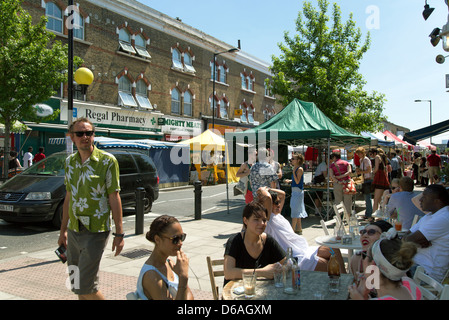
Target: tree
[(31, 66), (320, 64)]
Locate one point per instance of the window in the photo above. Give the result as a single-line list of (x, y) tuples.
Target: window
[(188, 103), (250, 112), (175, 101), (223, 109), (141, 47), (176, 59), (78, 26), (221, 74), (244, 83), (54, 15), (216, 105), (125, 41), (141, 95), (243, 116), (125, 93), (188, 66)]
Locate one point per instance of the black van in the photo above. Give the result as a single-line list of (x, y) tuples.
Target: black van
[(37, 194)]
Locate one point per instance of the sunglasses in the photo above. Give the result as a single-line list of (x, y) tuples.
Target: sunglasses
[(176, 239), (80, 134), (371, 232)]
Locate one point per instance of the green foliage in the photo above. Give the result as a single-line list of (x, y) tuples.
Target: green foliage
[(31, 64), (320, 64)]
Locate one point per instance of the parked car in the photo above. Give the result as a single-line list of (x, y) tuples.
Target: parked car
[(37, 194)]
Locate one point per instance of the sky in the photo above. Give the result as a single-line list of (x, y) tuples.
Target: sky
[(400, 62)]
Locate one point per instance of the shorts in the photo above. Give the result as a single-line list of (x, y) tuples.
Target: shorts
[(84, 252)]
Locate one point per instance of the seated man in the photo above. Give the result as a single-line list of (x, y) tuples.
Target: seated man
[(401, 202), (432, 232)]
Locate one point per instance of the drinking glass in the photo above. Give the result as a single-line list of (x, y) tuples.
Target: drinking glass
[(249, 283)]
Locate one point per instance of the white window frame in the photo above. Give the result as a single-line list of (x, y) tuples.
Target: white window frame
[(125, 43), (188, 105), (53, 18), (141, 95), (188, 63), (78, 24), (177, 60), (126, 98), (140, 47), (177, 103), (223, 109), (243, 117)]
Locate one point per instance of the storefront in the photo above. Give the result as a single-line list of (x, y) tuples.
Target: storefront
[(176, 129), (110, 121)]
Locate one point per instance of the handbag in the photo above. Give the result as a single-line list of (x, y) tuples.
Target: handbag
[(242, 185), (349, 187)]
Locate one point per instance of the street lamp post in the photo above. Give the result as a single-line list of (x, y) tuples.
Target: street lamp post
[(83, 76), (213, 83), (430, 106)]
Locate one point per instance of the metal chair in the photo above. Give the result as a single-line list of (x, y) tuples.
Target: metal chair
[(214, 273)]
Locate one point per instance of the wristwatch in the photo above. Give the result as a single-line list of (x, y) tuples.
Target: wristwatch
[(121, 235)]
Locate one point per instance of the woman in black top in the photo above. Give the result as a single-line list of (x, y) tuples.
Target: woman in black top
[(252, 248)]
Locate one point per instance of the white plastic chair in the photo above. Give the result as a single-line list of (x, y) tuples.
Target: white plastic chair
[(323, 225), (430, 288)]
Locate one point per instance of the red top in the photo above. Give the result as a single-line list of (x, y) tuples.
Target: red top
[(38, 157), (434, 160)]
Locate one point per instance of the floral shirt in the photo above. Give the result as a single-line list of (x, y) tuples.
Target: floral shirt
[(90, 183), (261, 175)]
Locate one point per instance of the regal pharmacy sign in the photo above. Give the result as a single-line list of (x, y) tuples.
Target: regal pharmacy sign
[(106, 116)]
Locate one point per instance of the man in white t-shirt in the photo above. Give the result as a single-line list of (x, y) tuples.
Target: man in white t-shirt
[(28, 158), (432, 232)]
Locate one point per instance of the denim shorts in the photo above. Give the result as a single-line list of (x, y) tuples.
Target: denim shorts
[(84, 252)]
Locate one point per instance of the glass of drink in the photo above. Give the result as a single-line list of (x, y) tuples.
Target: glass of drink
[(398, 225), (278, 278), (249, 283)]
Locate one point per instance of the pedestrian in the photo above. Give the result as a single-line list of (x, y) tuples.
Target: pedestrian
[(92, 184), (39, 156), (28, 158), (298, 209), (434, 165), (262, 174), (395, 166), (160, 278), (340, 174), (366, 170), (380, 182), (243, 175), (14, 164)]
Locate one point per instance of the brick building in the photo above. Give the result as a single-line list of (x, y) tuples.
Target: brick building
[(153, 74)]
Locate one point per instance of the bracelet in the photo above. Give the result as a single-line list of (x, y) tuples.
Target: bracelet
[(121, 235)]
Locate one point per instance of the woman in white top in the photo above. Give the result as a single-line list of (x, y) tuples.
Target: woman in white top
[(159, 278), (311, 258)]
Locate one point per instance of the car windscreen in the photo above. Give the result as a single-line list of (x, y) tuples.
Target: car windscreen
[(52, 165)]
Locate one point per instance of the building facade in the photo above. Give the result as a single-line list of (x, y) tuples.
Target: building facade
[(153, 74)]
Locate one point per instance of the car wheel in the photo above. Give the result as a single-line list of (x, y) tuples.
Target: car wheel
[(57, 218), (148, 202)]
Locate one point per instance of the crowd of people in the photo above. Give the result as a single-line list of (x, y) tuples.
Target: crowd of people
[(14, 165), (266, 234)]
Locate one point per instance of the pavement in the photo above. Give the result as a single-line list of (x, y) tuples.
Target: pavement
[(41, 276)]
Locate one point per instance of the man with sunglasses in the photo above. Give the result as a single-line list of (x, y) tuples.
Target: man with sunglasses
[(92, 184)]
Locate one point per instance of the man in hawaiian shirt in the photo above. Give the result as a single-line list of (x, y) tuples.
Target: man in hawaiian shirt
[(92, 184)]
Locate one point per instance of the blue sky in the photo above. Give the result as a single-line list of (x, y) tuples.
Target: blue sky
[(400, 64)]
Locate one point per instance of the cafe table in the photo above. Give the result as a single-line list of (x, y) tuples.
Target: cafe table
[(331, 242), (312, 283)]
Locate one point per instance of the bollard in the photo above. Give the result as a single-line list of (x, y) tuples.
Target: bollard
[(140, 196), (197, 192)]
